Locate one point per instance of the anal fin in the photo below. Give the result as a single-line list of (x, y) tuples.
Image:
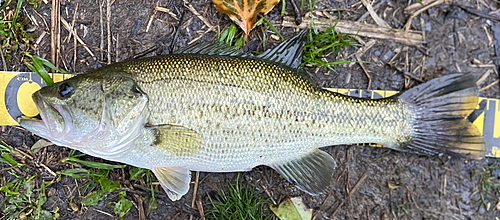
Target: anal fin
[(174, 180), (311, 173)]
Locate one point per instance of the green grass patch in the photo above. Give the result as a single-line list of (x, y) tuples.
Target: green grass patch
[(488, 186), (329, 44), (240, 202), (14, 32)]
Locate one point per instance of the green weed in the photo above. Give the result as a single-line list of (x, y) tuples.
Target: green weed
[(239, 203), (38, 65), (327, 44), (99, 186), (14, 34), (488, 185), (20, 196)]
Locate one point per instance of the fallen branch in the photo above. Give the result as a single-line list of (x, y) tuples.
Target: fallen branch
[(411, 38)]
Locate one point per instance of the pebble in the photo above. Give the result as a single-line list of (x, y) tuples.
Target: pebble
[(377, 53), (387, 56)]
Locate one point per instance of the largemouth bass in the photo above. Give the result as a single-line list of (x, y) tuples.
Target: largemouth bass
[(214, 109)]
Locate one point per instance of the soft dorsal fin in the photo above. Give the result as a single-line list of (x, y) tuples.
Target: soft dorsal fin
[(311, 173), (288, 53), (212, 48)]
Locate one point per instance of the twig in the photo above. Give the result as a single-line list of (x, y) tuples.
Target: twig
[(411, 38), (75, 42), (140, 207), (365, 175), (103, 212), (3, 60), (364, 70), (478, 13), (416, 6), (199, 205), (162, 9), (408, 23), (373, 14), (193, 10), (490, 85), (199, 37), (151, 18), (108, 22), (422, 23), (66, 25), (195, 191), (101, 21), (48, 169), (181, 20), (117, 46), (367, 13), (54, 31), (298, 16), (483, 77)]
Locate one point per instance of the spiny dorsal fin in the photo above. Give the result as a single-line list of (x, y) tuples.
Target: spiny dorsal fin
[(212, 48), (288, 53), (311, 173)]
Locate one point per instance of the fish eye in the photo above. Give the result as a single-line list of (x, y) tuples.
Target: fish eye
[(65, 90)]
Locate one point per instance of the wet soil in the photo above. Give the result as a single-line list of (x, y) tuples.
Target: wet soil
[(398, 185)]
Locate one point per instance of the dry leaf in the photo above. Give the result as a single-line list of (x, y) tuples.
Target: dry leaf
[(244, 12), (292, 209)]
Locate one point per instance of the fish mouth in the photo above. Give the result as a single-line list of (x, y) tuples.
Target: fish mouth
[(54, 121)]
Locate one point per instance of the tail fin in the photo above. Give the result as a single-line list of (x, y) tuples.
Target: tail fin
[(441, 106)]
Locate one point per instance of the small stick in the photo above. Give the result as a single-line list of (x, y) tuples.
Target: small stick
[(195, 191), (480, 14), (298, 16), (3, 61), (367, 13), (199, 37), (66, 25), (411, 38), (108, 21), (181, 20), (365, 175), (483, 77), (72, 23), (364, 70), (373, 14), (75, 42), (117, 43), (162, 9), (103, 212), (54, 31), (150, 21), (490, 85), (408, 23), (101, 21), (199, 205), (193, 10), (48, 169)]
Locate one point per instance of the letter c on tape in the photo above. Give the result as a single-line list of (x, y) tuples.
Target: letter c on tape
[(13, 89)]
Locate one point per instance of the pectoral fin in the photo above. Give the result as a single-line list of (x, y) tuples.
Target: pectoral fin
[(177, 140), (311, 173), (174, 180)]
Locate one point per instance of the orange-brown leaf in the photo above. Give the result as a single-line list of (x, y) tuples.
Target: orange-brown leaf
[(244, 12)]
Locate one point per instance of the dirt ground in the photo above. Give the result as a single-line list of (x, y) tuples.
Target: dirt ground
[(397, 186)]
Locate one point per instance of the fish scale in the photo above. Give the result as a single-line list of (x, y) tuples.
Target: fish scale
[(196, 110), (277, 113)]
